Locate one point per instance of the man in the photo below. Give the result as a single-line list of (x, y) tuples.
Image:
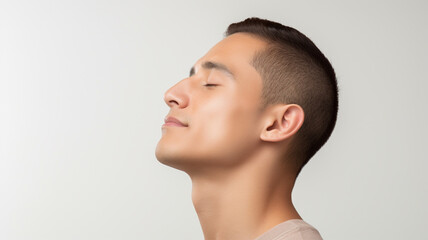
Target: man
[(251, 114)]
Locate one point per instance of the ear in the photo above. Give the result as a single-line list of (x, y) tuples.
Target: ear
[(282, 122)]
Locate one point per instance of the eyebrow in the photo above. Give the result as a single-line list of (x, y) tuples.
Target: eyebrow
[(213, 65)]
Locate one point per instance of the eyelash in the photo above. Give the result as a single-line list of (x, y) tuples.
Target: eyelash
[(210, 85)]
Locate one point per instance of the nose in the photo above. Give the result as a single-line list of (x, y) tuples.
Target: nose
[(177, 95)]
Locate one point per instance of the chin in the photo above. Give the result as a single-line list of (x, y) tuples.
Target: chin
[(162, 154), (169, 157)]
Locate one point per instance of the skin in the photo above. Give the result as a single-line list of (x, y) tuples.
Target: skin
[(233, 150)]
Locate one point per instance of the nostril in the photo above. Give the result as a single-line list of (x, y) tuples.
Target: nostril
[(173, 101)]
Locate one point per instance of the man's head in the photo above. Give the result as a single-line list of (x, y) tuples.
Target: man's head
[(268, 87)]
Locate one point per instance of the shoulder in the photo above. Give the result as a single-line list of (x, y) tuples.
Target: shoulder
[(294, 229)]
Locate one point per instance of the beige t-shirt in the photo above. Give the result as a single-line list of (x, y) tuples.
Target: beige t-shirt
[(294, 229)]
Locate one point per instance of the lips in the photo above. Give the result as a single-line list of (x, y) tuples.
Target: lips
[(171, 121)]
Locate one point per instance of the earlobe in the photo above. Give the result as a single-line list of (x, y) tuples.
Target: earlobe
[(282, 123)]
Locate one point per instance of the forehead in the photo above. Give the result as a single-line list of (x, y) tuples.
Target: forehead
[(235, 52)]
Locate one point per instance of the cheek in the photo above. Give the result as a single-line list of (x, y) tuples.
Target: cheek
[(242, 133), (226, 132)]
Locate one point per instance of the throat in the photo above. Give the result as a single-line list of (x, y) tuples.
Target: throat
[(241, 206)]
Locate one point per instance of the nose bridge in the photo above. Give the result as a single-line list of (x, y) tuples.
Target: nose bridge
[(178, 94)]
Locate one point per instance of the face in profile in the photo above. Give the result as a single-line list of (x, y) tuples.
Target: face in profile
[(219, 104)]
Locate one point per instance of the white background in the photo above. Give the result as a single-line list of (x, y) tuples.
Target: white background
[(81, 109)]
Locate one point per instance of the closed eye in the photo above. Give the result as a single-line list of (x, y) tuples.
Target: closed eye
[(210, 85)]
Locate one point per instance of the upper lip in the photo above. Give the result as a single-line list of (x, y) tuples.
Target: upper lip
[(174, 120)]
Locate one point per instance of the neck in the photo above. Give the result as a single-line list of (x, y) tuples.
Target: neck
[(244, 202)]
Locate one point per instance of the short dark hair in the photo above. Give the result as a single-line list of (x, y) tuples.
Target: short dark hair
[(295, 71)]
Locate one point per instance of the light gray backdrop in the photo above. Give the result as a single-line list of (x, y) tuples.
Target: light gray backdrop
[(81, 109)]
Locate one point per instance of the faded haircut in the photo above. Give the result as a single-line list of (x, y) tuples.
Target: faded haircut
[(295, 71)]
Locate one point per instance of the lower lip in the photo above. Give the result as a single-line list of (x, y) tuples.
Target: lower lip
[(172, 124)]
